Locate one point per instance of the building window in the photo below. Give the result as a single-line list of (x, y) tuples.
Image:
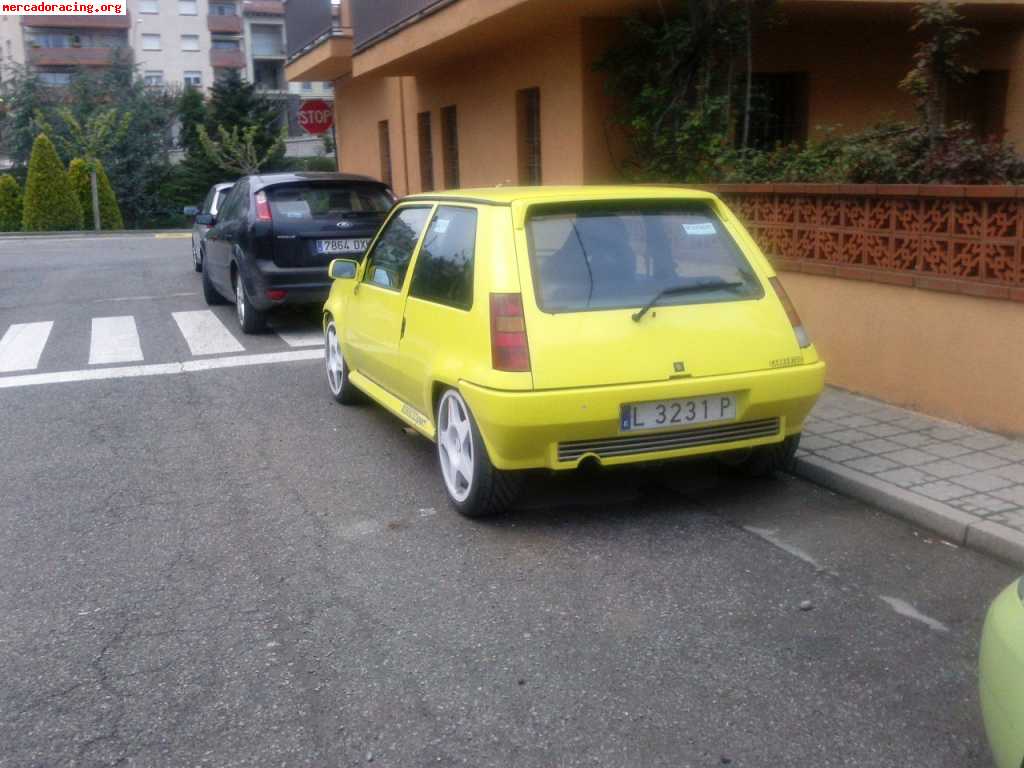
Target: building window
[(188, 8), (778, 110), (267, 40), (55, 78), (384, 142), (980, 100), (307, 85), (268, 75), (151, 42), (153, 77), (194, 78), (528, 135), (225, 45), (222, 9), (450, 147), (426, 152), (149, 6), (190, 42)]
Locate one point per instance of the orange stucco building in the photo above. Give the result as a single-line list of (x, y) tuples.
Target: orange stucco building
[(438, 93)]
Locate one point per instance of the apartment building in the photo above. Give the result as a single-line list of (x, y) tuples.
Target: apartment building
[(172, 42), (479, 92)]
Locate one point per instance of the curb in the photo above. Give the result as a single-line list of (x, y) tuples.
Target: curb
[(966, 530), (91, 233)]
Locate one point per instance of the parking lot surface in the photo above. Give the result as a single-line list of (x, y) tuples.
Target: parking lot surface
[(208, 562)]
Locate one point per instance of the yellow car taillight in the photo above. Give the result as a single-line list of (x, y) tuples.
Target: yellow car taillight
[(803, 339)]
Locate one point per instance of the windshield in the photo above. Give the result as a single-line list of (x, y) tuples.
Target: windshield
[(331, 200), (600, 256)]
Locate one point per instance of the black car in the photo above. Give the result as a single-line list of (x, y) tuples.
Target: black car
[(275, 234)]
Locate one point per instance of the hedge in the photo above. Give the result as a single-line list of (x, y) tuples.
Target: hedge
[(110, 213), (50, 202), (10, 204)]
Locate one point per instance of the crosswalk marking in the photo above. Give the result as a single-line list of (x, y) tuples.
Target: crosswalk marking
[(300, 338), (114, 340), (22, 346), (205, 333)]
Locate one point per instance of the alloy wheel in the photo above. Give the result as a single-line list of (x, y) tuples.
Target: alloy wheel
[(455, 445), (335, 365)]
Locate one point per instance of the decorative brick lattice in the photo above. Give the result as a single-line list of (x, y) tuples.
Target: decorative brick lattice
[(960, 239)]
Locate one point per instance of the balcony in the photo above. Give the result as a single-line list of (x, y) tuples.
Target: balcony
[(319, 38), (78, 22), (263, 8), (224, 25), (75, 57), (227, 59), (377, 19)]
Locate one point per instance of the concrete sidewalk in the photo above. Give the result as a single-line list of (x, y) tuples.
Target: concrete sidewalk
[(963, 483)]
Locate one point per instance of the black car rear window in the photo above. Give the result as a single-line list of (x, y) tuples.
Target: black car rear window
[(300, 202), (591, 256)]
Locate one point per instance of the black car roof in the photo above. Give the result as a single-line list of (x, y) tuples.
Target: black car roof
[(267, 179)]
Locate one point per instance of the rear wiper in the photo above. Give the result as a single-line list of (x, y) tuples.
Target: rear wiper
[(675, 290)]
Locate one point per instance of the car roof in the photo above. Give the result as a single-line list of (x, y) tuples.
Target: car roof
[(558, 194), (266, 179), (223, 185)]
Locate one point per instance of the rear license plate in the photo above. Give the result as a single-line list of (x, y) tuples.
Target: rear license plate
[(677, 413), (348, 245)]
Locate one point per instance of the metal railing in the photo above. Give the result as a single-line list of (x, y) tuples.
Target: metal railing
[(308, 23), (375, 19)]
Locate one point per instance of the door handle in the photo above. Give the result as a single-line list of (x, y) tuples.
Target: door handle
[(401, 334)]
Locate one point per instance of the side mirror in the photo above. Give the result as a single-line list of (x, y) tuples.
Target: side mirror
[(343, 269), (206, 219), (191, 210)]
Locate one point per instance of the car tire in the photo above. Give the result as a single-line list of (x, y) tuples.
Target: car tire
[(250, 319), (765, 460), (210, 294), (197, 259), (338, 383), (474, 486)]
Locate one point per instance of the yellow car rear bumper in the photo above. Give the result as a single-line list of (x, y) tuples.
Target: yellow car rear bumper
[(524, 430), (1001, 678)]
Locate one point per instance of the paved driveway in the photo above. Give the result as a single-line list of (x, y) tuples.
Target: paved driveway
[(213, 564)]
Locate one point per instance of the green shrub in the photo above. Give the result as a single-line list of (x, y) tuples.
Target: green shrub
[(10, 204), (81, 182), (50, 202)]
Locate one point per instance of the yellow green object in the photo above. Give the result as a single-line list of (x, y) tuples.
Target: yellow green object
[(1001, 677), (585, 365)]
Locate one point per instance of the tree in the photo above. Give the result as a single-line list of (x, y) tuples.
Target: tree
[(192, 113), (10, 204), (236, 152), (236, 104), (80, 175), (674, 80), (24, 96), (50, 202), (937, 62), (92, 137)]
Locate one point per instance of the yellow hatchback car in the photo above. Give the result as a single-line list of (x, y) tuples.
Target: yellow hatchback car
[(524, 328)]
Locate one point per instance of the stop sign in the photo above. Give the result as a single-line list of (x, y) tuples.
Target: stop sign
[(316, 116)]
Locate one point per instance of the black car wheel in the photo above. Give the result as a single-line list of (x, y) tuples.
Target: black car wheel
[(251, 319)]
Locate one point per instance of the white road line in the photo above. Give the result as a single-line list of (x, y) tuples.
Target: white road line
[(301, 338), (770, 535), (114, 340), (903, 608), (22, 346), (205, 333), (157, 369)]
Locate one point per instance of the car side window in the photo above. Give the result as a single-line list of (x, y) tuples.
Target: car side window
[(208, 202), (233, 205), (389, 260), (227, 207), (444, 268)]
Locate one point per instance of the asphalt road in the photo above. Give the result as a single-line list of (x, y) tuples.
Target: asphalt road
[(221, 567)]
